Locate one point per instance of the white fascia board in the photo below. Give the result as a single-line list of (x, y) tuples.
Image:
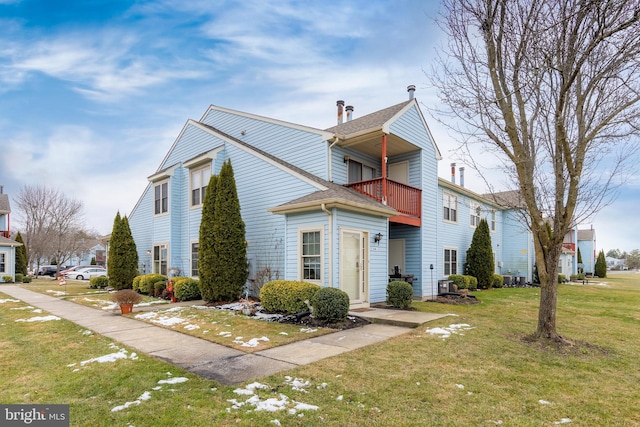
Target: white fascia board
[(388, 123), (163, 174), (333, 203), (202, 158), (259, 155)]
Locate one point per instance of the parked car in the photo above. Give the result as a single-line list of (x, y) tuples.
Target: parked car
[(77, 267), (86, 273), (49, 270)]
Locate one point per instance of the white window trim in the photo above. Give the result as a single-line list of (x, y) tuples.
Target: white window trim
[(362, 164), (6, 262), (201, 167), (445, 194), (449, 248), (153, 261), (301, 231), (473, 207), (493, 217), (159, 184), (191, 242)]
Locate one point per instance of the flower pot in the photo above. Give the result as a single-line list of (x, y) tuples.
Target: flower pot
[(126, 308)]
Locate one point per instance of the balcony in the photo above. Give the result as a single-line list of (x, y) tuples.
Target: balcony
[(5, 234), (570, 246), (405, 199)]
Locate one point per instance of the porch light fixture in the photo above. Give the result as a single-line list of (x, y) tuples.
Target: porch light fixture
[(377, 238), (148, 252)]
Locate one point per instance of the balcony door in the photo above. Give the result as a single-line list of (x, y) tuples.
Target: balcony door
[(353, 265), (360, 172)]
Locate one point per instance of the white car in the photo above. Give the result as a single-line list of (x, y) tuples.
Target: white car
[(86, 273)]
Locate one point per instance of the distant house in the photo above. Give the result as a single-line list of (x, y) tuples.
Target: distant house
[(347, 207), (587, 243), (7, 245)]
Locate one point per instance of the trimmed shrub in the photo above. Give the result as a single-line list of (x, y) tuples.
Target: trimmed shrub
[(26, 279), (399, 294), (148, 281), (473, 283), (330, 304), (158, 288), (576, 277), (186, 289), (562, 278), (136, 283), (98, 282), (497, 281), (19, 277), (601, 266), (462, 282), (7, 279), (287, 296)]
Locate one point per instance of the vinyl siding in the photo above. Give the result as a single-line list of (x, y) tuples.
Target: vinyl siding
[(517, 247)]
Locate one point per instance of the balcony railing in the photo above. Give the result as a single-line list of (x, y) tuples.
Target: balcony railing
[(405, 199), (570, 246), (5, 233)]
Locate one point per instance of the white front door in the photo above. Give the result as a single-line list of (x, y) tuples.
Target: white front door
[(353, 262)]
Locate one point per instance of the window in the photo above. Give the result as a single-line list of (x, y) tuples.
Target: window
[(311, 255), (3, 262), (199, 181), (195, 246), (449, 207), (474, 214), (359, 172), (493, 220), (160, 253), (450, 261), (161, 198)]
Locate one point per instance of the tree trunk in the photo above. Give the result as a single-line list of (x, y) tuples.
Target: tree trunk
[(547, 311)]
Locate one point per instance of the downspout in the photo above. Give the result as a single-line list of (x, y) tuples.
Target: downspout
[(328, 212), (335, 141)]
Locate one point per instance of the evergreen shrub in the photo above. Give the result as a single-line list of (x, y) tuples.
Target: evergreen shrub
[(147, 282), (7, 279), (98, 282), (497, 281), (562, 278), (462, 282), (159, 287), (287, 296), (473, 283), (399, 294), (330, 304), (186, 289), (136, 283), (26, 279), (19, 277)]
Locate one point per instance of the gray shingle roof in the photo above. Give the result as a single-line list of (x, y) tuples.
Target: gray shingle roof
[(8, 242), (4, 203), (588, 234), (370, 121), (507, 199)]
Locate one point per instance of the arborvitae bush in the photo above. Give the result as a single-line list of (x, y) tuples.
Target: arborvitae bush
[(186, 289), (122, 263), (330, 304), (479, 262), (21, 257), (287, 296), (601, 266), (98, 282), (399, 294), (461, 281), (206, 250)]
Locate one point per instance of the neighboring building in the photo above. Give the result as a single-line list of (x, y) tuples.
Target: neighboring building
[(587, 243), (7, 245), (92, 250), (320, 205)]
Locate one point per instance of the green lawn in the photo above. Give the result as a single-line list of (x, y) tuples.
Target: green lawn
[(483, 376)]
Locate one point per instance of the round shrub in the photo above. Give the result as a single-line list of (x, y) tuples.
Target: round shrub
[(158, 288), (462, 282), (399, 294), (26, 279), (136, 283), (473, 283), (148, 281), (98, 282), (287, 296), (497, 281), (19, 277), (330, 304), (186, 289)]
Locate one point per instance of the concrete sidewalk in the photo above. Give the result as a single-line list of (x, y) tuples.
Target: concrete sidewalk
[(209, 360)]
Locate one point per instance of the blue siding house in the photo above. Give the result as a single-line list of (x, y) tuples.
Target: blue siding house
[(344, 207), (7, 244)]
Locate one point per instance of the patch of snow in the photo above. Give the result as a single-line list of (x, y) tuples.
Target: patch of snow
[(276, 422), (2, 301), (86, 332), (145, 396), (322, 386), (563, 421), (39, 319), (544, 402), (305, 407), (253, 342), (112, 357), (283, 333), (191, 327), (175, 380), (297, 384), (28, 307), (147, 315), (125, 406), (143, 304), (339, 398), (112, 306), (56, 293), (451, 329), (460, 386), (225, 334), (307, 330), (251, 388)]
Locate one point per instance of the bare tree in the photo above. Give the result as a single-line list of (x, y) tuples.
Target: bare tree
[(51, 223), (551, 87)]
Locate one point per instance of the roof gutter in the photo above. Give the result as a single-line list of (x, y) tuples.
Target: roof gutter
[(335, 141)]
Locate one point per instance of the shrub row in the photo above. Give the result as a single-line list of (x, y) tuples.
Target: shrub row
[(573, 278), (186, 288), (464, 282), (288, 297), (98, 282), (145, 284)]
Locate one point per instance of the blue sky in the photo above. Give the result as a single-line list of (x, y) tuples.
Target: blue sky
[(94, 92)]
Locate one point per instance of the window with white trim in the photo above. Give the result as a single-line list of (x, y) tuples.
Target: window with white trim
[(449, 207), (474, 214), (450, 261), (199, 182), (195, 248), (161, 198), (359, 172), (493, 220), (3, 262), (311, 255), (160, 254)]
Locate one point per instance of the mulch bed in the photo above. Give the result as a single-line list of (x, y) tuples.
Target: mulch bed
[(312, 322), (459, 299)]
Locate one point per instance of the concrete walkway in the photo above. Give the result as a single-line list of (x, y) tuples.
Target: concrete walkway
[(214, 361)]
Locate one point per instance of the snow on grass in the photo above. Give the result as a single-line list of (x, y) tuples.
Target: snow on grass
[(107, 358), (39, 319), (563, 421), (28, 307), (147, 394), (544, 402), (163, 320), (174, 380), (308, 330), (297, 384), (448, 331), (253, 342), (56, 293), (3, 301), (272, 404)]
